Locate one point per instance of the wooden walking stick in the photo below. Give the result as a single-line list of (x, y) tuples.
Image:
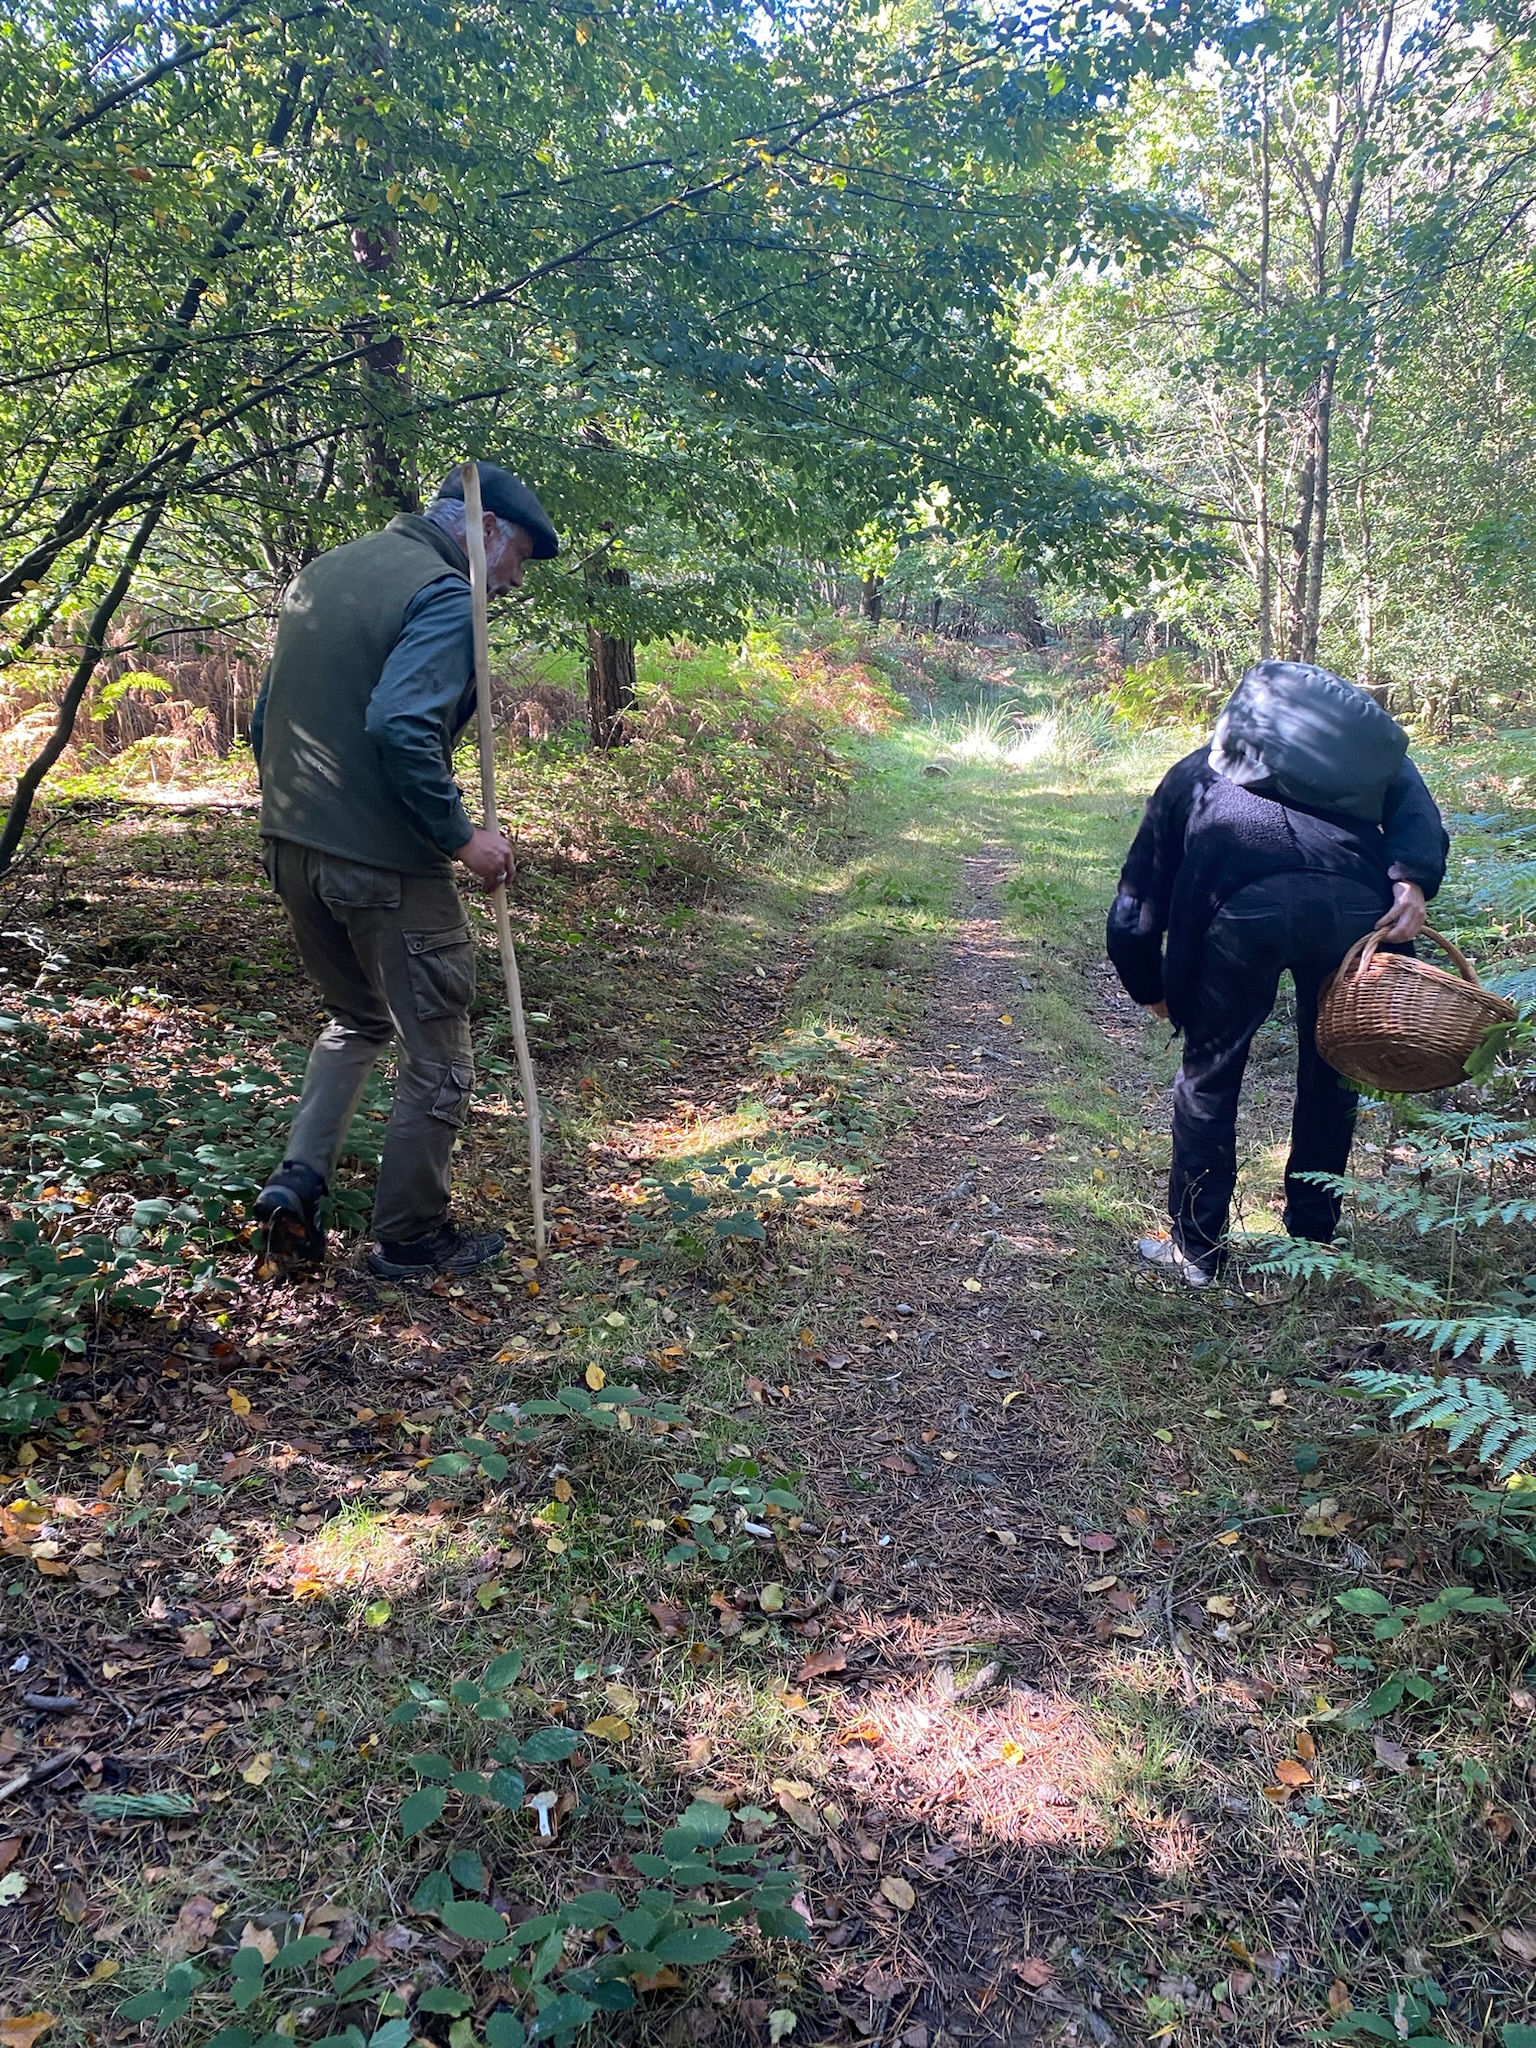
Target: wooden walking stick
[(474, 542)]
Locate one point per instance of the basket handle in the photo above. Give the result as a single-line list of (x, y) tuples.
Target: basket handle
[(1363, 951)]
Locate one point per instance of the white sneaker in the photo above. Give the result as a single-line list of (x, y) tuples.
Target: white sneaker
[(1162, 1251)]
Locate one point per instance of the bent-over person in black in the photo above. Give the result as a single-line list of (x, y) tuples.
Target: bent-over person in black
[(1227, 885)]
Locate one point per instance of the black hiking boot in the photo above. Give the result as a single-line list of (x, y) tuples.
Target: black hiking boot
[(444, 1250), (289, 1207)]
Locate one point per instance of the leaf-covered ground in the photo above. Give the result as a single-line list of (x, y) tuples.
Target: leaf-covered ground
[(990, 1590)]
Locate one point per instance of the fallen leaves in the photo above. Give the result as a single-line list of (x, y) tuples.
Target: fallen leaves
[(672, 1621), (262, 1939), (899, 1892), (1520, 1942), (1326, 1518), (821, 1663), (194, 1927), (1390, 1755), (1500, 1823), (794, 1802), (259, 1769), (26, 2028), (609, 1728)]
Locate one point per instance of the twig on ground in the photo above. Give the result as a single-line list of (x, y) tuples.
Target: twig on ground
[(50, 1767), (1185, 1662)]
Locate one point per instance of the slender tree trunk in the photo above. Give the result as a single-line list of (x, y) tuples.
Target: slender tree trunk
[(1301, 547), (1034, 625), (1322, 438), (74, 695), (610, 676), (1266, 574), (388, 454), (872, 597), (1363, 513)]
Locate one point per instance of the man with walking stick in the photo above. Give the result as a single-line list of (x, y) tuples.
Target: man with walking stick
[(371, 682)]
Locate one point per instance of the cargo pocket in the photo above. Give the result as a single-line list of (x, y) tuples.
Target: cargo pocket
[(442, 970), (451, 1104), (349, 885)]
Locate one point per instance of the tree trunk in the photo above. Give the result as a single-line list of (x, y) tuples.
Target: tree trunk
[(1266, 575), (74, 695), (1363, 512), (1322, 434), (1034, 625), (388, 454), (610, 676), (872, 597), (1301, 549), (936, 606)]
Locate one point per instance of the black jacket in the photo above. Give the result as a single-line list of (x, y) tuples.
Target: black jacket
[(1203, 838)]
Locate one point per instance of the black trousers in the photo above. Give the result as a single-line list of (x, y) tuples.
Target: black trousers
[(1306, 923)]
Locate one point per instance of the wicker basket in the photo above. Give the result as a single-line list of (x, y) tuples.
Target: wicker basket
[(1400, 1026)]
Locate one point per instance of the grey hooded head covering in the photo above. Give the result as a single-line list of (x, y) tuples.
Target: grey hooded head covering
[(1302, 734)]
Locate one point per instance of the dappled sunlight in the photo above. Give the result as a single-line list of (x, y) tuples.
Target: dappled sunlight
[(1018, 1766), (995, 747), (361, 1550), (697, 1135)]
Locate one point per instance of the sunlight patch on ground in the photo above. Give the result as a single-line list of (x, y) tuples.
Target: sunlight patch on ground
[(690, 1133), (361, 1550), (1022, 1767)]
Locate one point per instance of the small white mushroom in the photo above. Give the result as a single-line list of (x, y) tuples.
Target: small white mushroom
[(542, 1803)]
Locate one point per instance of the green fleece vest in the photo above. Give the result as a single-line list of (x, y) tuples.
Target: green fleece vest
[(322, 782)]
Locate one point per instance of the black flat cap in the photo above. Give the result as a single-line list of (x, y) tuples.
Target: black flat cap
[(509, 498)]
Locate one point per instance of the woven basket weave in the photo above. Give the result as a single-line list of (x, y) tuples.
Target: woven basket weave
[(1400, 1026)]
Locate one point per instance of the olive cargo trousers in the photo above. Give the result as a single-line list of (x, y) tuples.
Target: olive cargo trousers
[(391, 954)]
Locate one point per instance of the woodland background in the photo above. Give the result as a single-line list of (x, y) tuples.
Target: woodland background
[(913, 1624), (1209, 332)]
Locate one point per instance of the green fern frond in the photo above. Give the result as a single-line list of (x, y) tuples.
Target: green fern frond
[(1490, 1334), (1460, 1405), (1300, 1259)]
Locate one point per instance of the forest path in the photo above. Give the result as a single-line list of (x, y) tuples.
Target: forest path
[(942, 1446)]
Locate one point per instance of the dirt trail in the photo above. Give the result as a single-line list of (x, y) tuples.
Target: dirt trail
[(939, 1442)]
